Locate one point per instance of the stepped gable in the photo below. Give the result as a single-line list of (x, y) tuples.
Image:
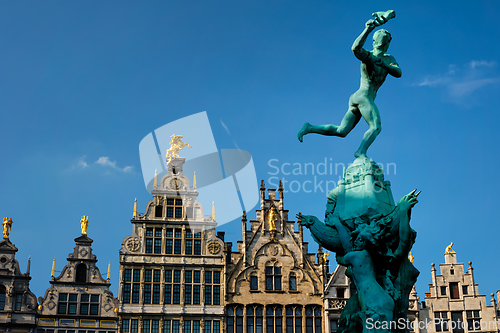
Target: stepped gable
[(272, 270), (17, 302), (79, 297)]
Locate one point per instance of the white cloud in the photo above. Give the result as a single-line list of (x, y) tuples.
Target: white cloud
[(105, 161), (482, 63), (462, 81), (81, 162)]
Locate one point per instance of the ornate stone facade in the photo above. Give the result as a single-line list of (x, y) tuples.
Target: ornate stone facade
[(17, 302), (273, 283), (453, 301), (79, 299), (172, 266)]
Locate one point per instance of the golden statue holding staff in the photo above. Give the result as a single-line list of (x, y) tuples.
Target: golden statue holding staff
[(7, 226), (84, 222), (271, 219), (176, 144)]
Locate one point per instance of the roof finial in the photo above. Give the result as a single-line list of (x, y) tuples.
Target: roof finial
[(411, 257), (135, 208), (155, 183), (7, 226), (213, 210), (449, 250), (29, 266), (109, 271), (84, 223), (53, 268), (194, 181)]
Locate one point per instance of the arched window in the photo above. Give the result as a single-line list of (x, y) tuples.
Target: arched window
[(2, 297), (254, 318), (254, 282), (274, 319), (273, 276), (293, 319), (235, 319), (313, 319), (81, 273), (292, 281)]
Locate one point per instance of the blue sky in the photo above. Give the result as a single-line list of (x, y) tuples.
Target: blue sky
[(82, 82)]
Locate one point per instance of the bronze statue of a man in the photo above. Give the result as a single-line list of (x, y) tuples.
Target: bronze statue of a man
[(375, 65)]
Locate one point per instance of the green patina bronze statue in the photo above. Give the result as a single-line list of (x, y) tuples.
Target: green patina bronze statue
[(375, 65), (369, 233)]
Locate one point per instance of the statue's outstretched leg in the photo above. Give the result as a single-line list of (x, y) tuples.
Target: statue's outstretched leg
[(370, 113), (350, 120)]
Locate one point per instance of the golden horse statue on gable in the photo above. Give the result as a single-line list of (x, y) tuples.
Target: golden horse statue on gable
[(176, 144)]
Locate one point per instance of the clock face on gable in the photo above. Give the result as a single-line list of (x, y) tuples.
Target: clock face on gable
[(175, 184)]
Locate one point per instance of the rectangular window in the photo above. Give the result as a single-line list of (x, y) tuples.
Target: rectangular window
[(155, 326), (156, 275), (208, 277), (473, 320), (254, 285), (177, 246), (196, 326), (126, 293), (149, 245), (454, 290), (137, 275), (175, 326), (168, 294), (187, 326), (146, 326), (127, 275), (441, 321), (148, 275), (125, 326), (196, 276), (166, 326), (293, 283), (333, 326), (217, 326), (177, 294), (157, 246), (147, 294), (135, 293), (196, 294), (178, 212), (168, 246), (156, 294), (208, 326), (208, 295), (189, 246), (443, 291), (19, 299), (464, 290), (187, 294), (177, 276), (216, 295), (159, 211), (197, 247), (134, 326), (2, 301), (456, 317), (188, 276)]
